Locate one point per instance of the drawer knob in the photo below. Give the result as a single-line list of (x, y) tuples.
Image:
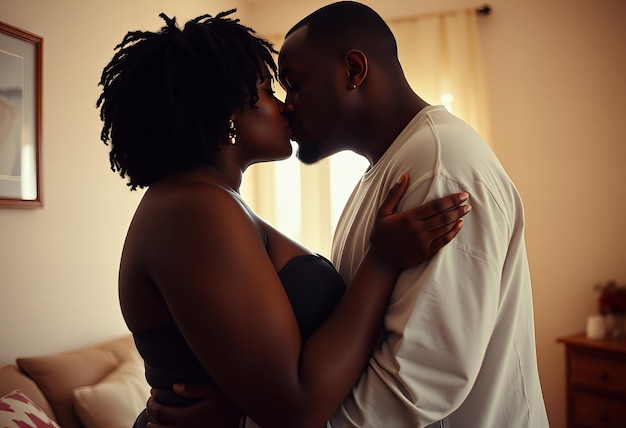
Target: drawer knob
[(604, 376)]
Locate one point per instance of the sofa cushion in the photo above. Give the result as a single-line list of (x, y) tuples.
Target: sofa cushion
[(116, 400), (12, 378), (19, 411), (59, 375)]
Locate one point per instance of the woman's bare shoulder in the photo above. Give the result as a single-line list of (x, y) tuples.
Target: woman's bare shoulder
[(194, 202)]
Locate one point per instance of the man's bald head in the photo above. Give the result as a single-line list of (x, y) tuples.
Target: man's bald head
[(346, 25)]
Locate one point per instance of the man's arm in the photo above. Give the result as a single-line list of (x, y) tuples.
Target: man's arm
[(214, 410), (438, 325)]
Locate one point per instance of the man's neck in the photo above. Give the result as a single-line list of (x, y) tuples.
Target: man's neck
[(388, 125)]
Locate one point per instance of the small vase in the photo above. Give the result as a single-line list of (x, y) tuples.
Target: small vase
[(617, 329)]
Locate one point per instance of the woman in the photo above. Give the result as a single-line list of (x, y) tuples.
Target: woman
[(210, 291)]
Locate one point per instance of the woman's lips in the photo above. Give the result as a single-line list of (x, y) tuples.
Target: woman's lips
[(294, 129)]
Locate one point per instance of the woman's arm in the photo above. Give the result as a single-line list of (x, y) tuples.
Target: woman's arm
[(225, 295)]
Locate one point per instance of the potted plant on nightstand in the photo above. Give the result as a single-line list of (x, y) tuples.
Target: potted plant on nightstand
[(612, 304)]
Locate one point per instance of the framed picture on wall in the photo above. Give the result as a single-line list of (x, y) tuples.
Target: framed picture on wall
[(20, 118)]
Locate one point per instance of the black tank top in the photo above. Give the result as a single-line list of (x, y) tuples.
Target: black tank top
[(313, 286)]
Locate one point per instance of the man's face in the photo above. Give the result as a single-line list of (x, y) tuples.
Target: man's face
[(312, 104)]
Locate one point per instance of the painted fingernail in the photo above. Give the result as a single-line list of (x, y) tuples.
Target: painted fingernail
[(467, 208)]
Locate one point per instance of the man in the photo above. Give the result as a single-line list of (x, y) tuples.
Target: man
[(459, 347)]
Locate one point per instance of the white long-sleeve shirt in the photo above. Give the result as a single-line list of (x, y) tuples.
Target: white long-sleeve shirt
[(460, 346)]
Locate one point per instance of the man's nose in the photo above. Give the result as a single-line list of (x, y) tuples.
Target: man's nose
[(288, 106), (281, 104)]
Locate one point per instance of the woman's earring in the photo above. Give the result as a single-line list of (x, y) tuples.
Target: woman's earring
[(232, 132)]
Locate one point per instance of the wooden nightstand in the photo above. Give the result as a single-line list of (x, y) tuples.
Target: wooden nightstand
[(596, 381)]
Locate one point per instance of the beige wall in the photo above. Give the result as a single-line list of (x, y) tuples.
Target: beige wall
[(557, 94)]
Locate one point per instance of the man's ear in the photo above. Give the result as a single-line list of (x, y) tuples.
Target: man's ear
[(356, 62)]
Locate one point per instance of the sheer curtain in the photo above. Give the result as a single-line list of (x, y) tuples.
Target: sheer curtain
[(440, 54)]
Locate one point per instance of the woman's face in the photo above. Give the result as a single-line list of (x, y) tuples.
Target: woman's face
[(263, 132)]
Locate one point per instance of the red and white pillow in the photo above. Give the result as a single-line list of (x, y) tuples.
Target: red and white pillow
[(19, 411)]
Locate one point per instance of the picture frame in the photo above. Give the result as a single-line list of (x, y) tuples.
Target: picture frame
[(21, 57)]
